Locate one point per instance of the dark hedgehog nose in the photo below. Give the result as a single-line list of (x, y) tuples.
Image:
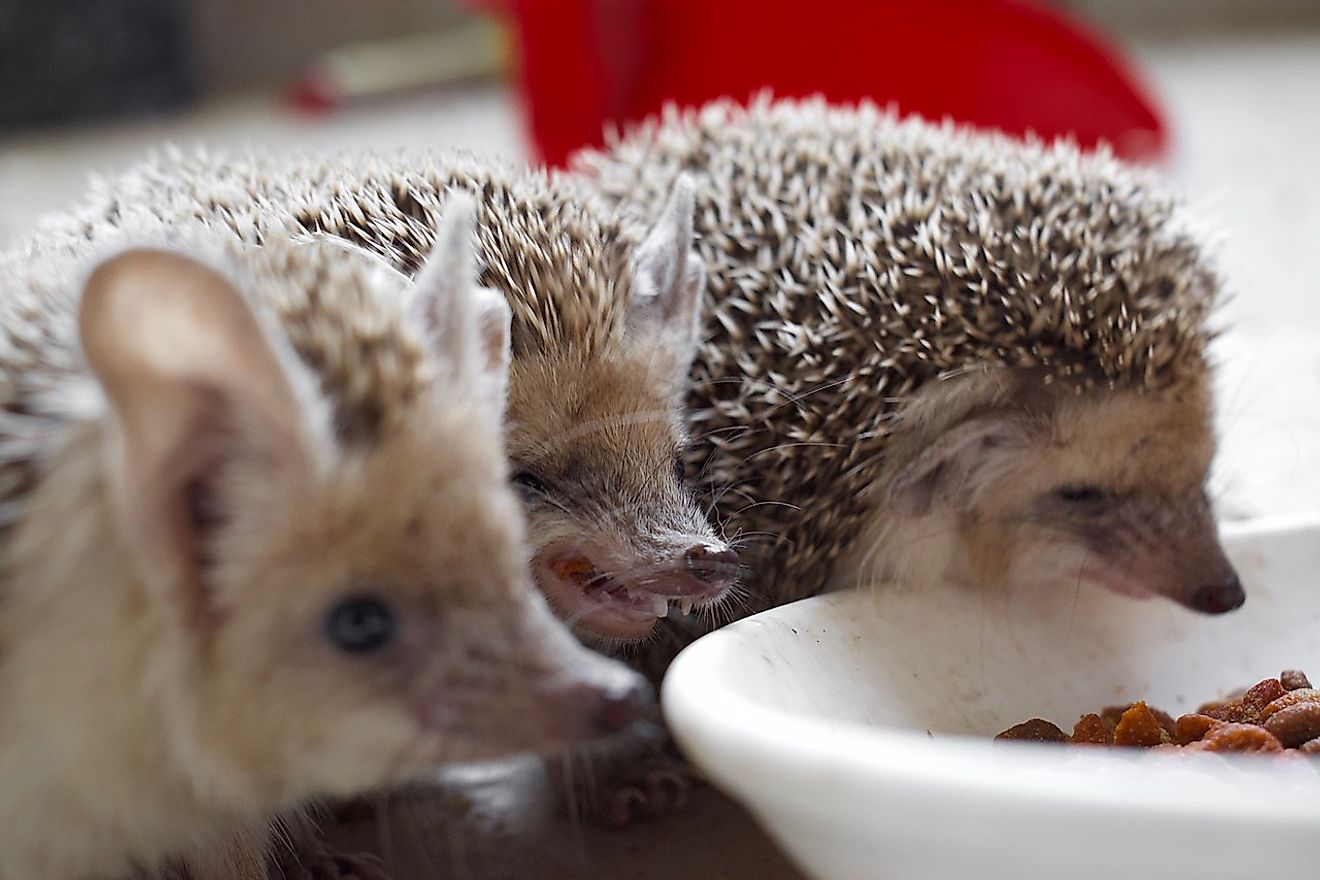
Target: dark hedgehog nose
[(622, 706), (1218, 598), (717, 566)]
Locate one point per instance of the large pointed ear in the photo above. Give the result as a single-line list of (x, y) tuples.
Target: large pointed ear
[(194, 386), (466, 325), (669, 277), (951, 472)]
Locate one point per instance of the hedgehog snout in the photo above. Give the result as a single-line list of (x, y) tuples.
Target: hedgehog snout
[(1219, 598), (712, 564)]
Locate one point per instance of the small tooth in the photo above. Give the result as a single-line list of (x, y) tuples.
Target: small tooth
[(659, 606), (685, 605)]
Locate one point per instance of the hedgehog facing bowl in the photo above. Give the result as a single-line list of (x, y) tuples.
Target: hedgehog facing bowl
[(939, 355)]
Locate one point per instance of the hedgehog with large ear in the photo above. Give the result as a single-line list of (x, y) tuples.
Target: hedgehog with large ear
[(938, 354), (259, 546), (603, 330)]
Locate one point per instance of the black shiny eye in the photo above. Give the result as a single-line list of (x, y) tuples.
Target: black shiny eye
[(1081, 494), (529, 486), (361, 624), (680, 469)]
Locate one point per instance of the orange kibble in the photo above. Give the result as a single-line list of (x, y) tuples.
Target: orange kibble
[(1261, 695), (1296, 724), (1190, 728), (1139, 727), (1292, 698), (1276, 716), (1232, 737), (1092, 730)]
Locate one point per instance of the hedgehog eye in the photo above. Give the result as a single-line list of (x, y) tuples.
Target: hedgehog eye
[(1081, 494), (680, 469), (361, 624), (528, 485)]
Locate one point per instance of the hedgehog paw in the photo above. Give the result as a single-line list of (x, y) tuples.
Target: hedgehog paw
[(653, 792)]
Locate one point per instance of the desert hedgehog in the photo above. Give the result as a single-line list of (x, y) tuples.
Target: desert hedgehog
[(935, 353), (217, 599), (603, 332)]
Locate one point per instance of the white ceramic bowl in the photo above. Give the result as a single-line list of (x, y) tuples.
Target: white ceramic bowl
[(857, 727)]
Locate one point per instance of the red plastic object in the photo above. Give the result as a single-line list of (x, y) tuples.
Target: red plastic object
[(1006, 64)]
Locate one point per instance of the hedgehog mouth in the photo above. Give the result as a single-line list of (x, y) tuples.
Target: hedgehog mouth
[(605, 605)]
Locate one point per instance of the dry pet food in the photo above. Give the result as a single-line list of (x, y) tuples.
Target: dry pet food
[(1277, 715)]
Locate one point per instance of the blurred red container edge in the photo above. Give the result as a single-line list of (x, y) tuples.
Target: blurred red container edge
[(1004, 64)]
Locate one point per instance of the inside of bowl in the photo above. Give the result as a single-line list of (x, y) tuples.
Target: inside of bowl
[(952, 661)]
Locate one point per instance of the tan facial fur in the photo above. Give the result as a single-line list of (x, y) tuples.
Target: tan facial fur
[(595, 441), (999, 479), (607, 453), (173, 656)]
